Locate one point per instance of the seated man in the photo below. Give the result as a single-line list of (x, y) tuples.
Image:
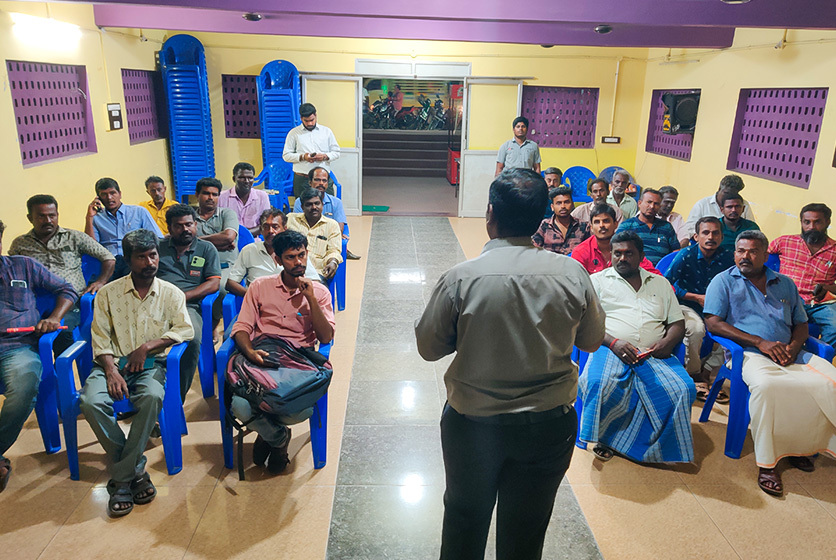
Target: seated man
[(159, 204), (20, 365), (136, 319), (256, 259), (595, 254), (192, 265), (561, 233), (732, 222), (810, 260), (293, 308), (636, 396), (60, 251), (553, 177), (658, 235), (599, 190), (332, 207), (247, 203), (711, 205), (108, 220), (324, 238), (669, 197), (619, 196), (690, 272), (792, 405)]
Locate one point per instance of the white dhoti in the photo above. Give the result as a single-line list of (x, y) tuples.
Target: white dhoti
[(792, 408)]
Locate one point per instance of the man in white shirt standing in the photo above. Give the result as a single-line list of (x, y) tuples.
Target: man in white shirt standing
[(712, 205), (307, 146)]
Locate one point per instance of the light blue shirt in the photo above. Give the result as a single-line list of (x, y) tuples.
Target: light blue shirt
[(332, 207), (737, 301), (109, 229)]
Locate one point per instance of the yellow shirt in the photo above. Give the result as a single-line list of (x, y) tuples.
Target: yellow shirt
[(324, 239), (159, 215)]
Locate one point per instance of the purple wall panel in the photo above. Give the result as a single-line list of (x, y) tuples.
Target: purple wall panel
[(141, 105), (52, 110), (561, 117), (240, 106), (672, 145), (776, 133)]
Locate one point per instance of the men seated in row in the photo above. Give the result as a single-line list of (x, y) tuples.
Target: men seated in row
[(20, 365), (732, 221), (247, 203), (561, 233), (669, 198), (60, 251), (658, 235), (192, 265), (332, 207), (690, 273), (618, 194), (637, 397), (136, 319), (324, 237), (810, 260), (158, 205), (792, 404), (287, 306), (256, 259), (712, 205), (599, 190), (595, 253), (108, 220)]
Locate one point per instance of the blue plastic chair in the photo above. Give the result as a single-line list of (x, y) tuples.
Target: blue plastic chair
[(607, 173), (665, 262), (738, 424), (276, 176), (244, 237), (773, 261), (577, 178)]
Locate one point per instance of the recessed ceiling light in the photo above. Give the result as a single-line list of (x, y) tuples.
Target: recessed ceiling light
[(252, 16), (735, 1)]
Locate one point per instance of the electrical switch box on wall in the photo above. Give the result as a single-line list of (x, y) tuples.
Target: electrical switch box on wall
[(114, 116)]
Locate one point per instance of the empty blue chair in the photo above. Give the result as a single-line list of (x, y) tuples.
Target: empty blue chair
[(665, 262), (277, 173), (577, 178), (607, 173)]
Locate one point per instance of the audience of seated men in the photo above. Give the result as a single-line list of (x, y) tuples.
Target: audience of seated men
[(690, 273), (247, 203), (595, 253), (60, 251), (108, 220), (809, 259), (599, 190), (637, 397), (136, 319), (192, 265), (20, 364), (733, 223), (553, 177), (792, 403), (618, 194), (332, 207), (256, 259), (158, 205), (560, 233), (658, 235), (669, 197), (712, 205), (287, 306), (324, 237)]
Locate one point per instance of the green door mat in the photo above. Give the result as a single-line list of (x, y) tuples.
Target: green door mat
[(375, 208)]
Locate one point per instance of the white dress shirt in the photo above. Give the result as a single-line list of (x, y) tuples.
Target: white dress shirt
[(302, 141), (708, 207)]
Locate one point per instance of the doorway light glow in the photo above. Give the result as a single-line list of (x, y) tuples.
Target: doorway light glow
[(45, 33)]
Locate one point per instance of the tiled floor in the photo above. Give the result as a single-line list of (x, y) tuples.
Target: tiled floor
[(411, 195), (379, 496)]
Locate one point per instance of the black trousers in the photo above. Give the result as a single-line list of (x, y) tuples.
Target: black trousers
[(516, 466)]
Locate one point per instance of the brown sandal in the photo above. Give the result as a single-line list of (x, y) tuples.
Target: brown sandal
[(4, 478), (603, 453), (770, 482)]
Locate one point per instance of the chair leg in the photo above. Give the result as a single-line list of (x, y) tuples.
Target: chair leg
[(71, 437), (206, 361), (226, 429), (579, 410), (319, 431), (46, 410), (712, 394), (738, 425)]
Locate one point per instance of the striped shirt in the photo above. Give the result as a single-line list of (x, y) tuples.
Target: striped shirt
[(659, 239)]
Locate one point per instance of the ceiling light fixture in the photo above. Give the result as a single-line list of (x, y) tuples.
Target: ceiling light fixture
[(603, 29), (252, 16), (735, 1)]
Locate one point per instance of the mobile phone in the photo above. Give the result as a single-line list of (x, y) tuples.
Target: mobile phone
[(643, 355)]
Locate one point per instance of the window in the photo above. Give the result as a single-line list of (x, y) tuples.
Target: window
[(141, 89), (776, 133), (561, 117), (671, 145), (52, 110), (240, 106)]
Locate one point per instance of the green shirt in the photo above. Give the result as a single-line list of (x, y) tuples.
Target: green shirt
[(730, 235)]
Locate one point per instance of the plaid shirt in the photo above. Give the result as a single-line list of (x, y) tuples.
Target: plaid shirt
[(806, 270), (550, 238)]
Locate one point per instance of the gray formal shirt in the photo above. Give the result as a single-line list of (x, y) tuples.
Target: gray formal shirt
[(513, 155), (511, 315)]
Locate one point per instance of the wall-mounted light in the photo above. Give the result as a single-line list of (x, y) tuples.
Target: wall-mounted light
[(45, 33), (252, 16), (603, 29)]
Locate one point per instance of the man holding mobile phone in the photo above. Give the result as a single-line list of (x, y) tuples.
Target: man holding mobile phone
[(307, 146)]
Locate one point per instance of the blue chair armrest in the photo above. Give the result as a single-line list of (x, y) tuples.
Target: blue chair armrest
[(67, 389), (45, 345), (734, 348), (172, 363), (325, 349), (819, 348), (206, 304), (86, 306), (679, 352)]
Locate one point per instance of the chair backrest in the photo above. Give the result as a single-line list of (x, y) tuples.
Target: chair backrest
[(90, 267), (577, 177), (774, 262), (244, 237), (665, 262), (338, 188)]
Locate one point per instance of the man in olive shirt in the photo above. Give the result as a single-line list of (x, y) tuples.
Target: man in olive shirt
[(511, 316)]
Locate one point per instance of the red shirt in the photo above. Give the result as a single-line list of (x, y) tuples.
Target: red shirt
[(592, 259), (806, 270)]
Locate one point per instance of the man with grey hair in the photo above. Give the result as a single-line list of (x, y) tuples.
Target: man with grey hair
[(618, 194), (675, 219), (713, 205), (553, 177)]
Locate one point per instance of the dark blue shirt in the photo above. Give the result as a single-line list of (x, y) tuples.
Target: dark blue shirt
[(691, 272), (729, 236), (658, 240)]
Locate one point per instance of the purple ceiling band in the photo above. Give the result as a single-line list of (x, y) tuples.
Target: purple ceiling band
[(561, 117), (240, 106), (677, 146), (141, 105), (776, 133), (52, 110)]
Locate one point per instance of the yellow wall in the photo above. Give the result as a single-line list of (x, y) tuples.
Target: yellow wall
[(752, 62)]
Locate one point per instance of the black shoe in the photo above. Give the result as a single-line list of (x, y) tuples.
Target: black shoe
[(351, 256), (279, 460), (125, 415), (155, 431), (261, 450)]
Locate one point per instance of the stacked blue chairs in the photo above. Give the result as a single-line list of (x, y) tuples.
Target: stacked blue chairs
[(577, 178), (183, 66), (279, 96), (277, 173)]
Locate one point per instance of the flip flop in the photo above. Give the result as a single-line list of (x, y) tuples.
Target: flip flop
[(143, 484), (802, 464), (602, 453), (120, 493), (722, 397), (4, 478), (702, 391), (770, 476)]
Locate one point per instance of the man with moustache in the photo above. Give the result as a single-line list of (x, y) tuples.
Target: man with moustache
[(247, 203), (599, 190), (733, 223), (553, 177), (712, 205), (618, 194), (158, 205), (332, 207), (669, 197), (307, 146), (595, 254), (560, 233), (657, 234), (324, 237)]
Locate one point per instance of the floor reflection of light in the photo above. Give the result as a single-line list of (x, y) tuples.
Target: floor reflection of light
[(408, 398), (406, 276), (412, 488)]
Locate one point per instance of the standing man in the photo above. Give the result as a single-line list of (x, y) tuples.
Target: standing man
[(247, 203), (599, 190), (561, 233), (618, 194), (108, 221), (658, 235), (669, 197), (733, 223), (324, 238), (332, 207), (307, 146), (159, 204), (518, 152), (595, 254), (508, 428), (712, 205), (810, 260)]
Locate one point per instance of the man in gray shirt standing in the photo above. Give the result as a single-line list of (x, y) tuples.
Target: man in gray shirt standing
[(508, 429), (518, 152)]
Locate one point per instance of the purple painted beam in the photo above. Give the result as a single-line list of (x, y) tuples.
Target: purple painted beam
[(318, 25)]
